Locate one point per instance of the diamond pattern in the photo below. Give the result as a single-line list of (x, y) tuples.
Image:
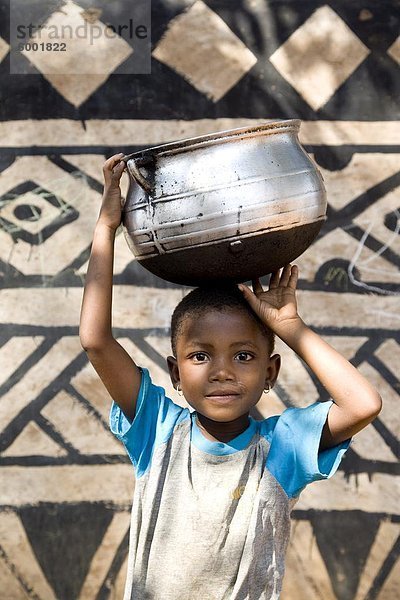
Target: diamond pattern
[(200, 46), (4, 48), (33, 214), (319, 56), (92, 53), (50, 234), (394, 50)]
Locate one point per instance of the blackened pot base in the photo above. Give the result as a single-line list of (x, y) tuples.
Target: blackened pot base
[(238, 261)]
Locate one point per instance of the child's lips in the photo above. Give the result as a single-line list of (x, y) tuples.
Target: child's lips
[(223, 396)]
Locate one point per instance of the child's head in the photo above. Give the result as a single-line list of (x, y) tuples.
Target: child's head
[(220, 298), (222, 352)]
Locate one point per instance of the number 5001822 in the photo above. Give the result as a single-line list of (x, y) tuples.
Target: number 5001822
[(43, 47)]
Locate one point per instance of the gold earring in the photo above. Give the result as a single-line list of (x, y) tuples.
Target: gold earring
[(267, 389), (179, 389)]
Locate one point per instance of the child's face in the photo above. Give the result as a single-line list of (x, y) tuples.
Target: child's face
[(222, 364)]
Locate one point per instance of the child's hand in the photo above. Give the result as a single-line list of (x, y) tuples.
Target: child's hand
[(276, 307), (110, 212)]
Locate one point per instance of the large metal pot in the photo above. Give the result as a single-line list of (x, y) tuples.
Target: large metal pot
[(235, 204)]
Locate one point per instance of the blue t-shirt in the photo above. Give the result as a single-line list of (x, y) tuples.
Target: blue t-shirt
[(211, 519)]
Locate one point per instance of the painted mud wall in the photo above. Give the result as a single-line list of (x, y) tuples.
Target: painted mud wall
[(66, 484)]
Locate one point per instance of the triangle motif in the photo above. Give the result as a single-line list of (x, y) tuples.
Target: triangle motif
[(344, 539), (64, 538)]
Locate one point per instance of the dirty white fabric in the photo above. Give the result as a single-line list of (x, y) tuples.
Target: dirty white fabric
[(211, 521)]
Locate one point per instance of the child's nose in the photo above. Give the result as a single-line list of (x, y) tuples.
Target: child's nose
[(221, 371)]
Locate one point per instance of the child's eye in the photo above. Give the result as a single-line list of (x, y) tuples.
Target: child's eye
[(244, 356), (199, 357)]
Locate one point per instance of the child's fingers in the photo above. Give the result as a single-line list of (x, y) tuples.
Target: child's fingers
[(294, 275), (249, 295), (274, 280), (257, 287), (285, 276), (112, 161), (110, 165), (117, 171)]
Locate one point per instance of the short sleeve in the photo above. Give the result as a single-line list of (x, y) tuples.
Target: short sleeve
[(155, 419), (293, 457)]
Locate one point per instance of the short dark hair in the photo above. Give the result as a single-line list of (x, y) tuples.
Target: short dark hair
[(220, 297)]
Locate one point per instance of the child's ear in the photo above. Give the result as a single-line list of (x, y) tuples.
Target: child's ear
[(173, 370), (273, 369)]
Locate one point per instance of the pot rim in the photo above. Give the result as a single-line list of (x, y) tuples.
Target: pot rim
[(269, 127)]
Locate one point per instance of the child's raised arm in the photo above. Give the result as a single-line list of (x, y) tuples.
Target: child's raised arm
[(114, 366), (356, 402)]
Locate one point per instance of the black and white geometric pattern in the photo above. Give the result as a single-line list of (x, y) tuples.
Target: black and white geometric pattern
[(66, 482)]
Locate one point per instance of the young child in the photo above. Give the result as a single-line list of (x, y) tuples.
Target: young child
[(214, 488)]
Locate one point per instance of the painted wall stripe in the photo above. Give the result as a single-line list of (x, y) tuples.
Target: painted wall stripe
[(89, 483), (95, 132), (153, 308), (339, 494)]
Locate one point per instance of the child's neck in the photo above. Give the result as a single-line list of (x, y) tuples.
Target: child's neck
[(217, 431)]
